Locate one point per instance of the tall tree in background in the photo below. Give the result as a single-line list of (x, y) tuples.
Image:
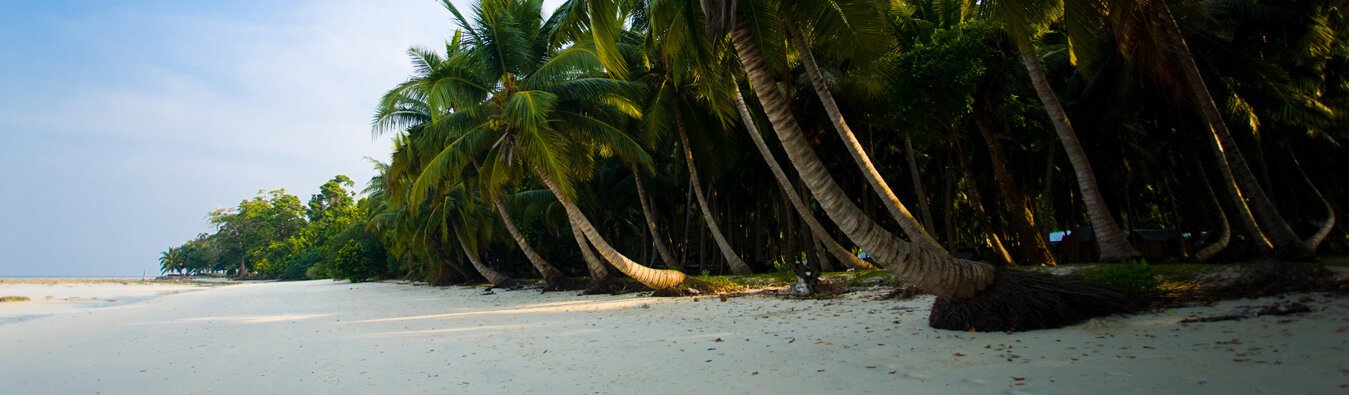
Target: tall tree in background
[(1023, 21)]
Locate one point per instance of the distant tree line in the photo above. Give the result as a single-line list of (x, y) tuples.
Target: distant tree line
[(275, 236)]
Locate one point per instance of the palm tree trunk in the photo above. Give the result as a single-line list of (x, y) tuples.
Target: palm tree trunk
[(738, 265), (442, 257), (1034, 248), (920, 194), (654, 278), (1224, 227), (656, 238), (1047, 197), (550, 274), (991, 237), (911, 227), (1232, 163), (817, 252), (931, 270), (598, 272), (495, 278), (1110, 239), (788, 190), (1319, 236)]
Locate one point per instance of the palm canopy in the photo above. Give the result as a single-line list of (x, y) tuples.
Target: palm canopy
[(507, 97)]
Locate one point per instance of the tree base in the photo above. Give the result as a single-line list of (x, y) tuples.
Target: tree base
[(606, 286), (1021, 301), (562, 284), (510, 283)]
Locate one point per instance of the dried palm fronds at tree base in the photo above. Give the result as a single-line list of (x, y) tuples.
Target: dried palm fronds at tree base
[(1021, 300)]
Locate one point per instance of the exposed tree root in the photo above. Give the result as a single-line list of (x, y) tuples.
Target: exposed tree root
[(1021, 301)]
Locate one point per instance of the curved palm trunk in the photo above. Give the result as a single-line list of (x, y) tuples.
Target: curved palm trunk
[(923, 206), (656, 238), (738, 265), (1034, 248), (443, 257), (991, 238), (917, 234), (931, 270), (598, 272), (1224, 227), (654, 278), (495, 278), (1319, 236), (816, 228), (550, 274), (1110, 239), (1233, 163)]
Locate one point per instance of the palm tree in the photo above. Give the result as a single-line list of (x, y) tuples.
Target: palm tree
[(816, 228), (1232, 163), (671, 88), (527, 107), (648, 214), (970, 294), (411, 105), (1023, 20), (1148, 36), (859, 21), (171, 260)]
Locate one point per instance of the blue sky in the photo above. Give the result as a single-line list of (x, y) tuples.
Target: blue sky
[(123, 123)]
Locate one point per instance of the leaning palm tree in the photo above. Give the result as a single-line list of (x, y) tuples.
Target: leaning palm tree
[(673, 107), (1148, 36), (526, 107), (1024, 20), (970, 295), (422, 100), (677, 42), (849, 23)]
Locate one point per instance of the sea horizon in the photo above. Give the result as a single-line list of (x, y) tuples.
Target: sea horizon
[(27, 276)]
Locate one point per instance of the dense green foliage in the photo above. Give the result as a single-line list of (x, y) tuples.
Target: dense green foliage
[(273, 236), (558, 120)]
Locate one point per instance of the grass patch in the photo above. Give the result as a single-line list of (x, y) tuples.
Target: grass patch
[(14, 299), (865, 278), (708, 284), (1136, 278)]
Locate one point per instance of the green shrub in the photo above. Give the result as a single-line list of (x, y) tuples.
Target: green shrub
[(1135, 277)]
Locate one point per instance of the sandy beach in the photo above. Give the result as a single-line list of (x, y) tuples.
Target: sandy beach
[(335, 337)]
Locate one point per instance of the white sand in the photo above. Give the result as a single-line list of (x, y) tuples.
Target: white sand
[(326, 337)]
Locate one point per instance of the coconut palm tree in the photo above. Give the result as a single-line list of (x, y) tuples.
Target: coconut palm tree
[(421, 101), (527, 107), (970, 294), (1023, 21), (859, 23), (171, 260), (673, 107)]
